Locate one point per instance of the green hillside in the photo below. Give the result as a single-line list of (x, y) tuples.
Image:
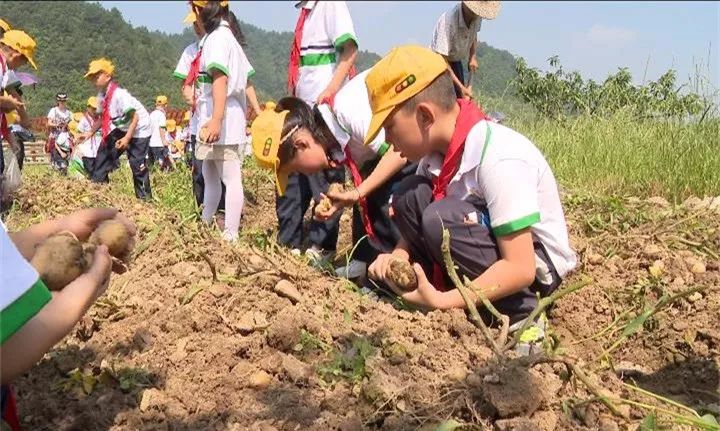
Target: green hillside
[(69, 34)]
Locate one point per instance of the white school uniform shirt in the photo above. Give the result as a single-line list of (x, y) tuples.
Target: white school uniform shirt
[(517, 184), (326, 29), (349, 121), (122, 107), (452, 38), (221, 51), (159, 124), (89, 147), (58, 116), (23, 294), (181, 72)]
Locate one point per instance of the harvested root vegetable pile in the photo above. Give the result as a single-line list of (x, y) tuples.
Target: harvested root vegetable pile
[(205, 336)]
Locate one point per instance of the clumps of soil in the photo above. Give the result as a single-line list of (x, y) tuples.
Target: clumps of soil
[(60, 259), (402, 275)]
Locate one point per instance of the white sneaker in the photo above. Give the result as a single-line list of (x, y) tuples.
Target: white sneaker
[(354, 269), (317, 256)]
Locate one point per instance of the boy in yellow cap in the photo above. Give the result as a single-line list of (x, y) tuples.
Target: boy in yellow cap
[(125, 126), (158, 142), (485, 183)]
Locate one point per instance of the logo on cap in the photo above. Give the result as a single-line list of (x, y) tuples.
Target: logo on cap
[(410, 80), (266, 149)]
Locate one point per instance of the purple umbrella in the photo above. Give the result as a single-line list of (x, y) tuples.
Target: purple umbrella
[(27, 78)]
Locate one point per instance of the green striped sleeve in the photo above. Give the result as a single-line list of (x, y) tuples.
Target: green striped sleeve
[(340, 41), (179, 75), (516, 225), (15, 315), (251, 73), (220, 67)]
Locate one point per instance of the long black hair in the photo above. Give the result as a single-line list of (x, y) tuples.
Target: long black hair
[(304, 117), (213, 13)]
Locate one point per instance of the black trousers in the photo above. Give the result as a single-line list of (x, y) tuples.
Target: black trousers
[(291, 210), (378, 204), (108, 159), (197, 176), (159, 155), (89, 165), (459, 70), (473, 246)]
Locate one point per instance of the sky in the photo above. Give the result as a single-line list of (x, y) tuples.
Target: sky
[(595, 38)]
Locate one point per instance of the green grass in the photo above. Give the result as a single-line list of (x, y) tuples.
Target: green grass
[(620, 156)]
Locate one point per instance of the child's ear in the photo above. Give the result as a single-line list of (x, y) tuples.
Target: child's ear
[(301, 143), (425, 115)]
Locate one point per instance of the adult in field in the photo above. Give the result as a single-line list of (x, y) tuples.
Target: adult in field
[(455, 38)]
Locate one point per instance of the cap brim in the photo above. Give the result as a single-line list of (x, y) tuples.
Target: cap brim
[(190, 18), (281, 180), (91, 72), (32, 62), (376, 123)]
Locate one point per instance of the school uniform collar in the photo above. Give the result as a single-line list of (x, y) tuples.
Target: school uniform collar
[(337, 129), (471, 158), (307, 4)]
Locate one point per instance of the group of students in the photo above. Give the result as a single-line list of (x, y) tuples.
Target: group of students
[(422, 155), (423, 158)]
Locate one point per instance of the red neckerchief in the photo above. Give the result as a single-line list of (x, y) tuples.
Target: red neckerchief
[(193, 75), (294, 65), (4, 129), (357, 180), (112, 86), (470, 115)]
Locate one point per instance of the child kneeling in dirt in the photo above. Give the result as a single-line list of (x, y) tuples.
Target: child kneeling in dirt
[(488, 185), (33, 319), (295, 138)]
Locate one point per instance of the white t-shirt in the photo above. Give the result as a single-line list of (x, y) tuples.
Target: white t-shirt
[(181, 72), (221, 51), (59, 116), (349, 121), (517, 184), (90, 146), (452, 38), (158, 122), (122, 107), (326, 29)]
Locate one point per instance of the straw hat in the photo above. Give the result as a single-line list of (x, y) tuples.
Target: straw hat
[(483, 9)]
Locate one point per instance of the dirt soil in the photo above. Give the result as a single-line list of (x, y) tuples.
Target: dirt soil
[(173, 347)]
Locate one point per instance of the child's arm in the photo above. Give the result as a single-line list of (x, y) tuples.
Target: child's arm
[(9, 103), (509, 275), (390, 164), (123, 142), (219, 95), (54, 321), (347, 60), (81, 223), (252, 97)]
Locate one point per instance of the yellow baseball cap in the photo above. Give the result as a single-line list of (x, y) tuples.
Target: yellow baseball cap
[(100, 65), (203, 3), (73, 127), (170, 125), (266, 140), (92, 102), (186, 116), (19, 41), (4, 25), (77, 116), (190, 18), (397, 77), (161, 100)]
